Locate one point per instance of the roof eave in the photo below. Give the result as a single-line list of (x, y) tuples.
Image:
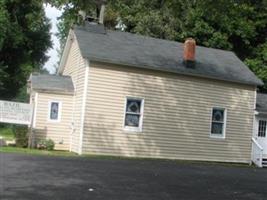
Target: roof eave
[(65, 53), (97, 60), (53, 91)]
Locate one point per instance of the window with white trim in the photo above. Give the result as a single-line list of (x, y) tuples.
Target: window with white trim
[(133, 117), (262, 128), (54, 111), (218, 122)]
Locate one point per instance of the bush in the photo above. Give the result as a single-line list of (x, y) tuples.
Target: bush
[(7, 132), (46, 144), (21, 136), (50, 144)]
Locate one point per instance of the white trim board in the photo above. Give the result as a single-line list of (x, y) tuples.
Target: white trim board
[(72, 121), (66, 51), (35, 109), (83, 106)]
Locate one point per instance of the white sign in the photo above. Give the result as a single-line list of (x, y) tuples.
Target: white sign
[(15, 113)]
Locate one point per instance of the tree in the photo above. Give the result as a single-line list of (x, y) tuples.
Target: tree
[(237, 25), (24, 40), (258, 63)]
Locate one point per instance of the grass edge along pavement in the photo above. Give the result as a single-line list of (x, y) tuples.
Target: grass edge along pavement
[(38, 152), (35, 151)]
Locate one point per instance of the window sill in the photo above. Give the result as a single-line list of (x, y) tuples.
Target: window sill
[(53, 121), (132, 130), (217, 137)]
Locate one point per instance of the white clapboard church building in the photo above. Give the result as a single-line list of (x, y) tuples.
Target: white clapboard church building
[(124, 94)]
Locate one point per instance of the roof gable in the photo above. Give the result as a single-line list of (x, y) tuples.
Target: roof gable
[(98, 44), (52, 83)]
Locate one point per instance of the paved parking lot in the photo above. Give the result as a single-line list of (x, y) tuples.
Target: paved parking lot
[(27, 177)]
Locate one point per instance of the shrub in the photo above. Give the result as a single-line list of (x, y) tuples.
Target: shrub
[(21, 136), (7, 132), (46, 144), (50, 144)]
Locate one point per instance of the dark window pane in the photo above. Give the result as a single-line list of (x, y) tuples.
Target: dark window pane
[(132, 120), (133, 106), (262, 128), (217, 128), (54, 111), (218, 115)]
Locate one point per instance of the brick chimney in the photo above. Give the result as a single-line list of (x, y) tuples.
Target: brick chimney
[(189, 52)]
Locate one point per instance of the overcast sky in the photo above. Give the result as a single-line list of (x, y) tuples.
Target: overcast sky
[(52, 13)]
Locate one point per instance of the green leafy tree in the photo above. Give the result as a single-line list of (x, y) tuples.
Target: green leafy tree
[(258, 63), (24, 40), (71, 15)]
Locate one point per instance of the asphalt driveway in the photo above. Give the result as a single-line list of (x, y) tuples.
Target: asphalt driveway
[(26, 177)]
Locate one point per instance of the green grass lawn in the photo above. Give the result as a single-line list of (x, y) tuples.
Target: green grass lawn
[(7, 133), (88, 156), (35, 151)]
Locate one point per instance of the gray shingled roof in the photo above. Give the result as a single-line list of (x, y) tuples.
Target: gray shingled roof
[(261, 104), (98, 44), (45, 82)]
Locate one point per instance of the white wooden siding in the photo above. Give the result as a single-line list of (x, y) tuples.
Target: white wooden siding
[(60, 131), (75, 67), (177, 115)]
